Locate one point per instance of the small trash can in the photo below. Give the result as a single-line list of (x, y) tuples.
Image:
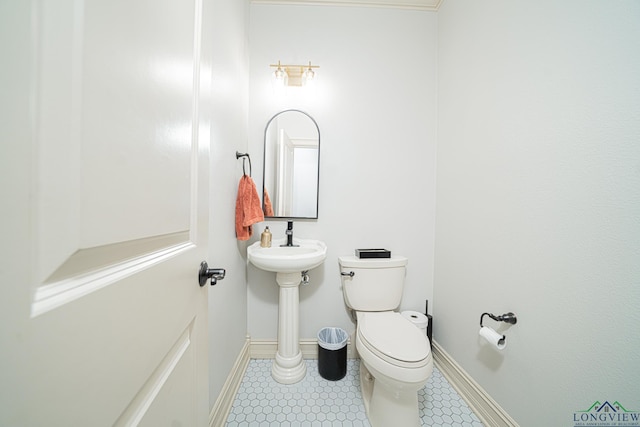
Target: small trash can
[(332, 353)]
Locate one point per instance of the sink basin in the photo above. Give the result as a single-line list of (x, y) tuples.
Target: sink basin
[(288, 259)]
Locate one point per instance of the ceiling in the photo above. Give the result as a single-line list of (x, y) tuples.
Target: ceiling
[(398, 4)]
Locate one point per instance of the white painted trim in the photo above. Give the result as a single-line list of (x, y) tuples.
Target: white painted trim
[(54, 295), (222, 407), (263, 349), (141, 403), (487, 409), (266, 349), (430, 5)]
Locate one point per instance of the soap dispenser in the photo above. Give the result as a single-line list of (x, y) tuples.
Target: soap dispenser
[(265, 238)]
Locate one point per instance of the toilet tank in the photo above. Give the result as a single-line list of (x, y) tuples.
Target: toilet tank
[(376, 283)]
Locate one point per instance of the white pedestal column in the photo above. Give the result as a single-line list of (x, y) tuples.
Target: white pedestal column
[(288, 366)]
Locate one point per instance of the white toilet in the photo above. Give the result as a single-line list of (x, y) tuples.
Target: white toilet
[(395, 355)]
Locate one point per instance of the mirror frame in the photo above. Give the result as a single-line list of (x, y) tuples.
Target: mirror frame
[(264, 166)]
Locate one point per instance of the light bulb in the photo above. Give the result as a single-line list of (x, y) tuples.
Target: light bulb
[(278, 74), (308, 75)]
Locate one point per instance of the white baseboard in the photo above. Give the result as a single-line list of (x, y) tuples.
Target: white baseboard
[(266, 349), (489, 412), (220, 411)]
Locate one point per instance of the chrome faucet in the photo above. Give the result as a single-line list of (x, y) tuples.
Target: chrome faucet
[(289, 234)]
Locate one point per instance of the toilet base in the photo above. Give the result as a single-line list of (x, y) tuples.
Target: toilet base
[(387, 406)]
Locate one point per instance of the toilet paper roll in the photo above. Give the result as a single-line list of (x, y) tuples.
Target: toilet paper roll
[(417, 318), (494, 338)]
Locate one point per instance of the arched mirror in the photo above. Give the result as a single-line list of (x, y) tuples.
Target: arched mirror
[(291, 166)]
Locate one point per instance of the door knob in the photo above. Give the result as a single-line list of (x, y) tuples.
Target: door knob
[(207, 273)]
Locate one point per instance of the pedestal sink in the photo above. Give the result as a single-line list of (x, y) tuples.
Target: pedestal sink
[(288, 262)]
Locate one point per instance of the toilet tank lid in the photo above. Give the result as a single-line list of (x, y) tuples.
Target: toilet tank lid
[(355, 262)]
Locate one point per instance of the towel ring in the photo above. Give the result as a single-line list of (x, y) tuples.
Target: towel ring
[(244, 155)]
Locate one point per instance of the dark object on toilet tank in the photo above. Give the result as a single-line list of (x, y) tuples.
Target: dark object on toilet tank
[(373, 253)]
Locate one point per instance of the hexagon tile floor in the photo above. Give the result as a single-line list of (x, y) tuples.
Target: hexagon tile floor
[(314, 401)]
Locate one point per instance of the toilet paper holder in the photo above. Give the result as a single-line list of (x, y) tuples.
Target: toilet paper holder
[(507, 318)]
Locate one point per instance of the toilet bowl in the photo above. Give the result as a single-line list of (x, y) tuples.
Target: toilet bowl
[(395, 363), (395, 355)]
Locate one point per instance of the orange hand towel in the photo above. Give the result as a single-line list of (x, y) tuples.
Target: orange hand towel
[(248, 209)]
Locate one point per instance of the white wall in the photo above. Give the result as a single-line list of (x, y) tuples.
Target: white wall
[(375, 104), (228, 299), (538, 201)]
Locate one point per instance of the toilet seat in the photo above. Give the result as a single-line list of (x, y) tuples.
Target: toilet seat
[(393, 338)]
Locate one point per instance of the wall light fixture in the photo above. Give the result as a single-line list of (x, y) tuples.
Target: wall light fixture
[(293, 75)]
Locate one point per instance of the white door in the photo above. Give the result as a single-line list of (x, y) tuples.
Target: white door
[(103, 172), (284, 193)]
